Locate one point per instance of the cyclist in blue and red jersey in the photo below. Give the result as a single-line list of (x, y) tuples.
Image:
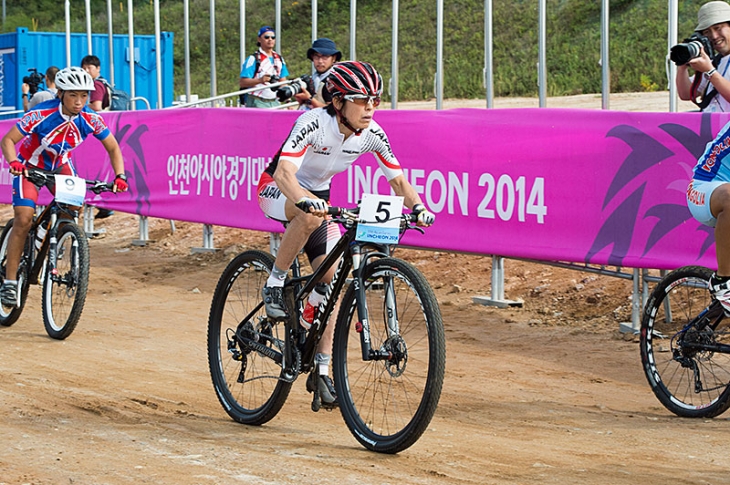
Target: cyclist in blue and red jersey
[(47, 135), (295, 187), (708, 199)]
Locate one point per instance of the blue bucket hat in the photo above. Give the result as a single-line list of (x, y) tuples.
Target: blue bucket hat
[(324, 47), (265, 29)]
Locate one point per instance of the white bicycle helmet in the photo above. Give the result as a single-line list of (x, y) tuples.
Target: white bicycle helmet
[(74, 79)]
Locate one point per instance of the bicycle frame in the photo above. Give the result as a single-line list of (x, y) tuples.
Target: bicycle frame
[(56, 214), (36, 260), (353, 256)]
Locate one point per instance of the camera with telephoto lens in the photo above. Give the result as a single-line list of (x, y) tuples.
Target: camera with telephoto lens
[(295, 87), (682, 53), (33, 80)]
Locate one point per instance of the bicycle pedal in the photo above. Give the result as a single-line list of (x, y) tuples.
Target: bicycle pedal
[(330, 406)]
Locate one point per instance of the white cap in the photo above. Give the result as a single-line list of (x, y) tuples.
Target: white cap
[(712, 13)]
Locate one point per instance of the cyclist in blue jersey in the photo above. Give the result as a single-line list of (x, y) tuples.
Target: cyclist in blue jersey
[(295, 187), (708, 199), (47, 134)]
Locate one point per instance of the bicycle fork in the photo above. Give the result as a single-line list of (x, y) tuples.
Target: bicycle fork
[(69, 280), (390, 316)]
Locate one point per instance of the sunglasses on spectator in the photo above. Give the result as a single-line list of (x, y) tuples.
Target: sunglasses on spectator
[(267, 37), (362, 100)]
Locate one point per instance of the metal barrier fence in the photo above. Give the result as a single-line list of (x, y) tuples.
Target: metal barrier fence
[(640, 279)]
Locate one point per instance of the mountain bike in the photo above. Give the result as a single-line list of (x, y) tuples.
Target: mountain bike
[(388, 352), (61, 263), (685, 345)]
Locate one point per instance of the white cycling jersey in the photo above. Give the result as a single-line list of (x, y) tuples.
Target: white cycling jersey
[(319, 151)]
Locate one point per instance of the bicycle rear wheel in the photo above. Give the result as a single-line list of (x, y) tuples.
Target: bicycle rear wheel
[(388, 403), (245, 376), (9, 315), (64, 289), (687, 381)]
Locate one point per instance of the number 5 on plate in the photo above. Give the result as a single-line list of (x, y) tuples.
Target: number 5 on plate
[(380, 218)]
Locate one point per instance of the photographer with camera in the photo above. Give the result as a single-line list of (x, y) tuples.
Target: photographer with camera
[(323, 55), (31, 84), (263, 67), (709, 87), (30, 87)]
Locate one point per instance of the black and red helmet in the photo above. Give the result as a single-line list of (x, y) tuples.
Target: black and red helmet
[(353, 77)]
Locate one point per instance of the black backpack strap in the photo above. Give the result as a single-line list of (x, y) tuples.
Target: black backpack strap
[(257, 63), (256, 66), (706, 97), (109, 91)]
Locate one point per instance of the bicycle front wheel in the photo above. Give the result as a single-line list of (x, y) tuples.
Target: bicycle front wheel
[(242, 341), (388, 402), (10, 314), (65, 286), (688, 382)]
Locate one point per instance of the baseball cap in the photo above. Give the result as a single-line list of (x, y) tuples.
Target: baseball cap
[(265, 29), (325, 47), (712, 13)]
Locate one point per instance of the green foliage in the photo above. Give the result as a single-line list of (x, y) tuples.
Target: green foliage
[(647, 84), (637, 33)]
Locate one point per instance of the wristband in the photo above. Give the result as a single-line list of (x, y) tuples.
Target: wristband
[(710, 72), (121, 176), (25, 95)]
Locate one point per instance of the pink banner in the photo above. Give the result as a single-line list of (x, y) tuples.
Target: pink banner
[(601, 187)]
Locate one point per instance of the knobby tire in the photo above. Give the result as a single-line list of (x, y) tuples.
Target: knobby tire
[(64, 295), (9, 316), (262, 393), (387, 404), (673, 370)]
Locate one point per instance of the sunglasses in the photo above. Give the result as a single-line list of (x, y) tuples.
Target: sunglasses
[(267, 37), (362, 100)]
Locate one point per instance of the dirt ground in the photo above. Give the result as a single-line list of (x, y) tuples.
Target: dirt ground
[(548, 393)]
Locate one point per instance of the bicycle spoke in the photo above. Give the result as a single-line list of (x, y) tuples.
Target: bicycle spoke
[(247, 380), (387, 403), (65, 285)]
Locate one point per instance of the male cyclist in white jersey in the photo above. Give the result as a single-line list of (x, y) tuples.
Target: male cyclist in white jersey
[(295, 186)]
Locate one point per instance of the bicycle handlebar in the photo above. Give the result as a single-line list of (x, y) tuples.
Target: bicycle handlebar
[(353, 211), (42, 177)]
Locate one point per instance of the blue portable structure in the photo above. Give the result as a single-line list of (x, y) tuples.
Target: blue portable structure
[(23, 50)]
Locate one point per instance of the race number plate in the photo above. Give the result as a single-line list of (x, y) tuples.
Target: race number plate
[(70, 190), (380, 219)]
